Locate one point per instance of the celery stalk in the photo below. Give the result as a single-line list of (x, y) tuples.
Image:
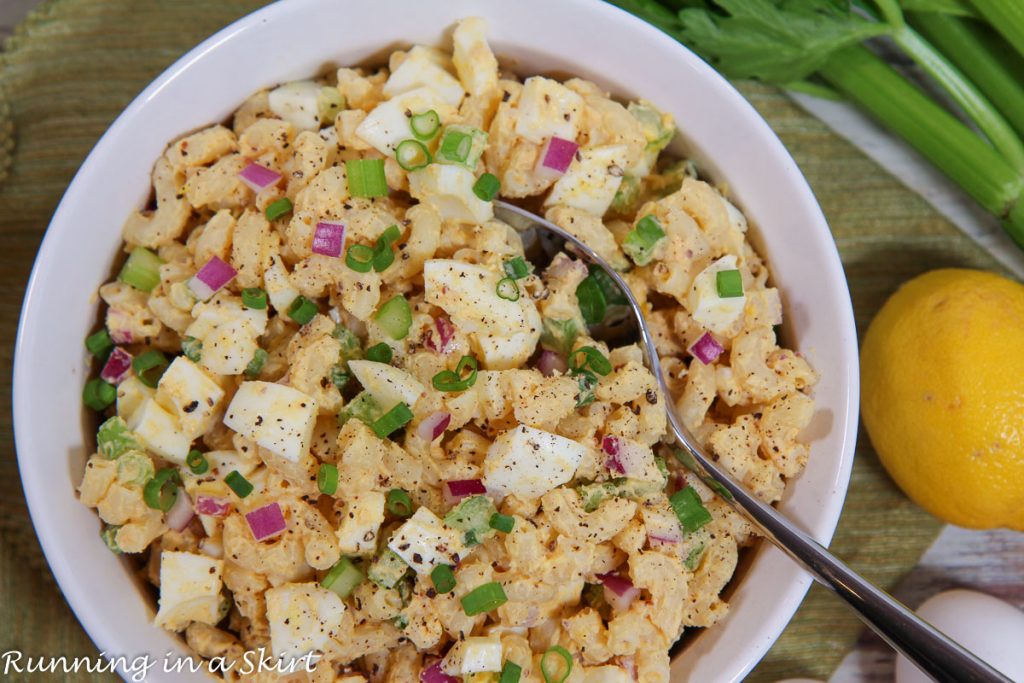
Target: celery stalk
[(1005, 16), (975, 51), (949, 144)]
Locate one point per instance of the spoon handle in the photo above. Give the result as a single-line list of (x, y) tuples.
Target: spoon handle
[(933, 652)]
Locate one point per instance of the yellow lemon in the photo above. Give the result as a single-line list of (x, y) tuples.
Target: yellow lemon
[(942, 369)]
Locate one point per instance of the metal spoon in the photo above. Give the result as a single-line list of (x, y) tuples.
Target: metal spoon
[(933, 652)]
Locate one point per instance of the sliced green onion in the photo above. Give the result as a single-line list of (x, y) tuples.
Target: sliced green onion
[(99, 344), (340, 376), (483, 598), (502, 523), (380, 353), (382, 254), (98, 394), (395, 317), (192, 348), (593, 304), (276, 209), (443, 578), (394, 419), (398, 503), (641, 240), (359, 258), (197, 462), (692, 560), (612, 293), (109, 536), (587, 383), (729, 283), (149, 366), (689, 509), (366, 178), (507, 289), (141, 270), (556, 664), (254, 297), (487, 186), (302, 310), (135, 468), (255, 366), (461, 145), (343, 578), (448, 380), (239, 484), (327, 479), (516, 268), (412, 155), (592, 359), (510, 673), (425, 126), (161, 492)]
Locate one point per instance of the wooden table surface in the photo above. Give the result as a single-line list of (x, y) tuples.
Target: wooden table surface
[(988, 561)]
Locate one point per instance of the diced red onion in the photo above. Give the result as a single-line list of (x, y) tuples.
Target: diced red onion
[(213, 507), (117, 367), (328, 238), (555, 157), (258, 177), (662, 538), (435, 674), (619, 585), (611, 445), (706, 349), (181, 512), (620, 602), (563, 266), (434, 426), (266, 522), (445, 333), (456, 490), (550, 362), (210, 278)]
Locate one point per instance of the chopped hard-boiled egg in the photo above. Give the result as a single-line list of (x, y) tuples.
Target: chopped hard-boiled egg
[(303, 617), (190, 586), (449, 189), (504, 332), (361, 522), (159, 431), (387, 384), (474, 61), (130, 395), (530, 462), (475, 654), (424, 67), (711, 311), (592, 180), (280, 289), (388, 123), (221, 310), (277, 417), (298, 103), (190, 394), (424, 542), (548, 109)]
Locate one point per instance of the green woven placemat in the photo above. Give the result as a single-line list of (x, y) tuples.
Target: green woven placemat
[(74, 64)]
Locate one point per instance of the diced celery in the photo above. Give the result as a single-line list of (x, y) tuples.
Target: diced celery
[(559, 335), (634, 489), (109, 536), (343, 578), (387, 569), (395, 317), (192, 348), (114, 438), (625, 199), (135, 468), (472, 516), (141, 270), (363, 407)]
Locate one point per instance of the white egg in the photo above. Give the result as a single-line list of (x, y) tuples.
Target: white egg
[(987, 626)]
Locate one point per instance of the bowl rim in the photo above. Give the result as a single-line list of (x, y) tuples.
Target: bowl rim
[(47, 528)]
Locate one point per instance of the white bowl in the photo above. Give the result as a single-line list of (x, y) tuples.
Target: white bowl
[(298, 38)]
